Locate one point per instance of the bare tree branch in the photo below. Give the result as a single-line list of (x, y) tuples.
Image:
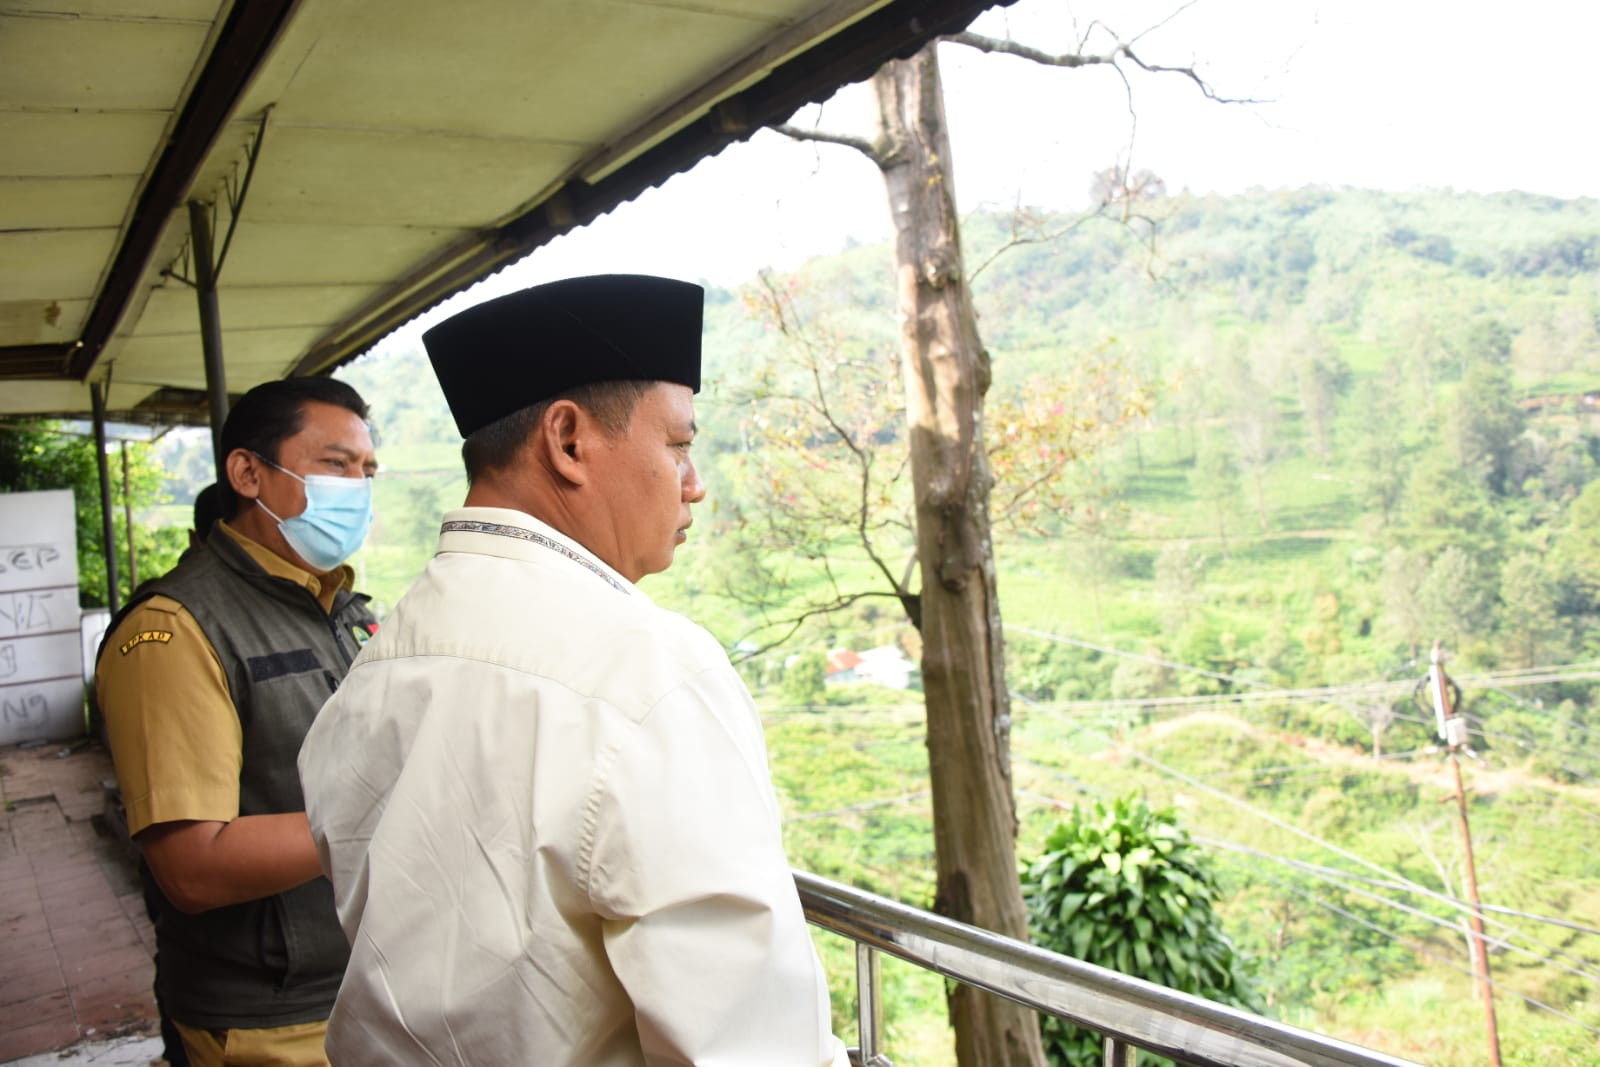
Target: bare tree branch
[(783, 311), (867, 148), (794, 622), (1112, 57), (1017, 238), (1006, 46), (1148, 30), (1190, 73)]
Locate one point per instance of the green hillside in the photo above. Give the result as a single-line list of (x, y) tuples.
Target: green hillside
[(1371, 424)]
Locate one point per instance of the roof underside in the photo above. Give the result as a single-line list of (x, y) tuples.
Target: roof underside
[(403, 151)]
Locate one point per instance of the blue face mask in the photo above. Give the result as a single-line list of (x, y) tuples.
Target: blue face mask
[(336, 519)]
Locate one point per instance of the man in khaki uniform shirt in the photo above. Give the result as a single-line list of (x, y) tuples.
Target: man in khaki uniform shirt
[(208, 682)]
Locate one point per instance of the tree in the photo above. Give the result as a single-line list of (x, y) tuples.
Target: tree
[(1216, 481), (1484, 423), (1253, 413), (1094, 547), (1404, 621), (1124, 887), (946, 373), (1576, 553), (804, 679), (1529, 624), (1444, 508), (1455, 597), (47, 456), (1322, 375), (1179, 569), (1379, 457), (823, 472)]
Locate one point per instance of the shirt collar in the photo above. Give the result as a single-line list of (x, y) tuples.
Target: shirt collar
[(507, 532), (343, 577)]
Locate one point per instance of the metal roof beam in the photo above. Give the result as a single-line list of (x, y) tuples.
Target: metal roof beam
[(242, 46)]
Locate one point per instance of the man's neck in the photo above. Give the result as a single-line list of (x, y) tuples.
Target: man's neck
[(254, 523)]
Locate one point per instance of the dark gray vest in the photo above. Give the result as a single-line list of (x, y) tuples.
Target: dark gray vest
[(279, 960)]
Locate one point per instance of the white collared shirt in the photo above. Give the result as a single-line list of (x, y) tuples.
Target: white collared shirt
[(545, 808)]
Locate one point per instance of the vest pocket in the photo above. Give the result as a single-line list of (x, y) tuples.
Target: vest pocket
[(277, 664), (313, 942)]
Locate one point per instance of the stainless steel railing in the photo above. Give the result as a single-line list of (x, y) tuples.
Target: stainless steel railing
[(1130, 1013)]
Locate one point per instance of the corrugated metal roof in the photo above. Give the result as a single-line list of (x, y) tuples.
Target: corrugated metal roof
[(404, 149)]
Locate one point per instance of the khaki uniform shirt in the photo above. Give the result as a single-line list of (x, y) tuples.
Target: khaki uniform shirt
[(545, 807), (176, 740)]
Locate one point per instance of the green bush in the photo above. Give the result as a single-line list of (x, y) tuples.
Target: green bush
[(1123, 887), (804, 679)]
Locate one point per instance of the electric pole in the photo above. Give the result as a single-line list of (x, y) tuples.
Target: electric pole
[(1453, 730)]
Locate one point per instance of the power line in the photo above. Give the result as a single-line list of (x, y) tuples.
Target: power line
[(1580, 809), (866, 805), (1347, 876), (1343, 695), (1390, 880), (1141, 657), (1449, 924), (1521, 676), (1424, 950), (1341, 878), (1397, 880)]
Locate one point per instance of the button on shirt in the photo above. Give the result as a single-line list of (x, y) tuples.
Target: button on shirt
[(545, 807)]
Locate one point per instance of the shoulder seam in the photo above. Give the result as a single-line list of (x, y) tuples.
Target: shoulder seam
[(591, 819)]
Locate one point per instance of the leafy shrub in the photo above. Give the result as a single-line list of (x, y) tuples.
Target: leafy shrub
[(804, 678), (1124, 887)]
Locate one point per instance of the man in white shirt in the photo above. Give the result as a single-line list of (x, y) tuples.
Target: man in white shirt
[(543, 801)]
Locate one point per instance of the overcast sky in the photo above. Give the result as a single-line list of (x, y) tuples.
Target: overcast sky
[(1384, 94)]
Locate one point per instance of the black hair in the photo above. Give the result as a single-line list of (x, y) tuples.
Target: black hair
[(273, 412), (495, 446), (207, 510)]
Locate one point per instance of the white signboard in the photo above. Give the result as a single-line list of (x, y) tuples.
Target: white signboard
[(41, 654)]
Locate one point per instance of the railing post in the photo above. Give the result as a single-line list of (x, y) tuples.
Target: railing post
[(869, 1004), (1120, 1053)]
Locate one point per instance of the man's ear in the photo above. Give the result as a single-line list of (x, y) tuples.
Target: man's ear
[(564, 435), (244, 473)]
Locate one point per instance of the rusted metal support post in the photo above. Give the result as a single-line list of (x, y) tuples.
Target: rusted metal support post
[(205, 288), (127, 521), (108, 536)]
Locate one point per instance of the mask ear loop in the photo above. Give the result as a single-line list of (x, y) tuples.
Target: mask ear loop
[(268, 510), (276, 467)]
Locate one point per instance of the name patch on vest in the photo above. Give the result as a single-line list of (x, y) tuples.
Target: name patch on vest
[(158, 636), (278, 664)]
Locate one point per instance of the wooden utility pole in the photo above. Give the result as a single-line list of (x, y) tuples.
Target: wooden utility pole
[(1453, 730)]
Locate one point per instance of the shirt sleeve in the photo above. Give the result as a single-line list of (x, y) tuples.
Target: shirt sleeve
[(702, 922), (170, 721)]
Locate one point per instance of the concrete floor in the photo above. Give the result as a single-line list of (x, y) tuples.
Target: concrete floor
[(122, 1052), (75, 971)]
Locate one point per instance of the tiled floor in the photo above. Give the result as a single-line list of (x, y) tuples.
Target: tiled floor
[(75, 945)]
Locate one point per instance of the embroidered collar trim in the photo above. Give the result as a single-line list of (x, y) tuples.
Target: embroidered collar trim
[(520, 533)]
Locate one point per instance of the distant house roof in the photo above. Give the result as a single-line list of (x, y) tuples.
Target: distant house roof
[(842, 659)]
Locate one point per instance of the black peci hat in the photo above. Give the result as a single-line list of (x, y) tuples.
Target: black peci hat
[(500, 356)]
